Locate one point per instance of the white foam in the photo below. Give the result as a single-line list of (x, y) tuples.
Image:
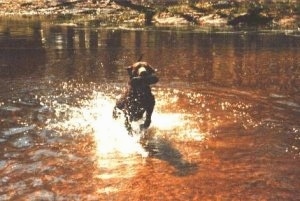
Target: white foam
[(95, 116)]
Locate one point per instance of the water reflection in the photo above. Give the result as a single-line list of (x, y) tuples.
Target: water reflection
[(19, 48), (251, 60), (227, 115)]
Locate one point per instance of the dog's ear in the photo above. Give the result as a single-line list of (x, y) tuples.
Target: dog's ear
[(135, 67), (150, 69), (129, 71)]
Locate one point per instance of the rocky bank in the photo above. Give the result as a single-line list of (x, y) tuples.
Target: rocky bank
[(234, 13)]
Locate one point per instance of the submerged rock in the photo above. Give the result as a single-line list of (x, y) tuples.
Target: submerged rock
[(22, 142), (9, 110), (17, 130), (41, 195)]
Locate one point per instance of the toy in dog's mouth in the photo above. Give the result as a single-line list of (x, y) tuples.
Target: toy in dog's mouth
[(142, 71)]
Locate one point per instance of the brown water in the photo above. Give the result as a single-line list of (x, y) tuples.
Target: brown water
[(226, 124)]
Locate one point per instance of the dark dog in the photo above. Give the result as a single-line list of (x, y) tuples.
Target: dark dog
[(138, 97)]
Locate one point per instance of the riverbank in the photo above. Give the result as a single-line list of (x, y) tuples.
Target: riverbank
[(121, 12)]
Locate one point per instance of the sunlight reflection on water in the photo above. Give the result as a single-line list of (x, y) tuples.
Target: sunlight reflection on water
[(221, 119), (179, 122), (95, 117), (119, 156)]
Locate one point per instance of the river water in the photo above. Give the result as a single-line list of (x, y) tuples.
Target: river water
[(226, 124)]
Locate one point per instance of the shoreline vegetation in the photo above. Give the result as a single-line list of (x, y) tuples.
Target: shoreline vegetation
[(258, 14)]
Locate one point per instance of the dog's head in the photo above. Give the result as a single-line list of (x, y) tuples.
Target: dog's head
[(140, 69)]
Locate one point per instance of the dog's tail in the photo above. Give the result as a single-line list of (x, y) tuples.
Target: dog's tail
[(140, 58)]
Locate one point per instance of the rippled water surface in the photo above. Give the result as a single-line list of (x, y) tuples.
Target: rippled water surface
[(226, 124)]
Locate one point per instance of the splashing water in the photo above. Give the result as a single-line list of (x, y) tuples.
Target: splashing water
[(92, 115), (110, 134), (115, 150), (95, 117)]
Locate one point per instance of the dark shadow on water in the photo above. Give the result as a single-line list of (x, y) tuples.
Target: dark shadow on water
[(163, 149)]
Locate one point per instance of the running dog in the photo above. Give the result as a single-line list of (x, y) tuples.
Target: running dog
[(138, 98)]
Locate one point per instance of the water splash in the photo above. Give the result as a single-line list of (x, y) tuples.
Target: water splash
[(115, 150), (90, 113), (94, 117), (110, 134), (180, 123)]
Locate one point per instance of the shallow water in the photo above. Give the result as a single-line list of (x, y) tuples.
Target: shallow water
[(225, 126)]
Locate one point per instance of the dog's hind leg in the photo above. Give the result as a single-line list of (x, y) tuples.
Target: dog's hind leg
[(127, 120), (115, 113), (147, 121)]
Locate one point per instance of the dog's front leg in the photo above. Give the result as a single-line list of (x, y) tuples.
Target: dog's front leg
[(128, 124), (147, 121)]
